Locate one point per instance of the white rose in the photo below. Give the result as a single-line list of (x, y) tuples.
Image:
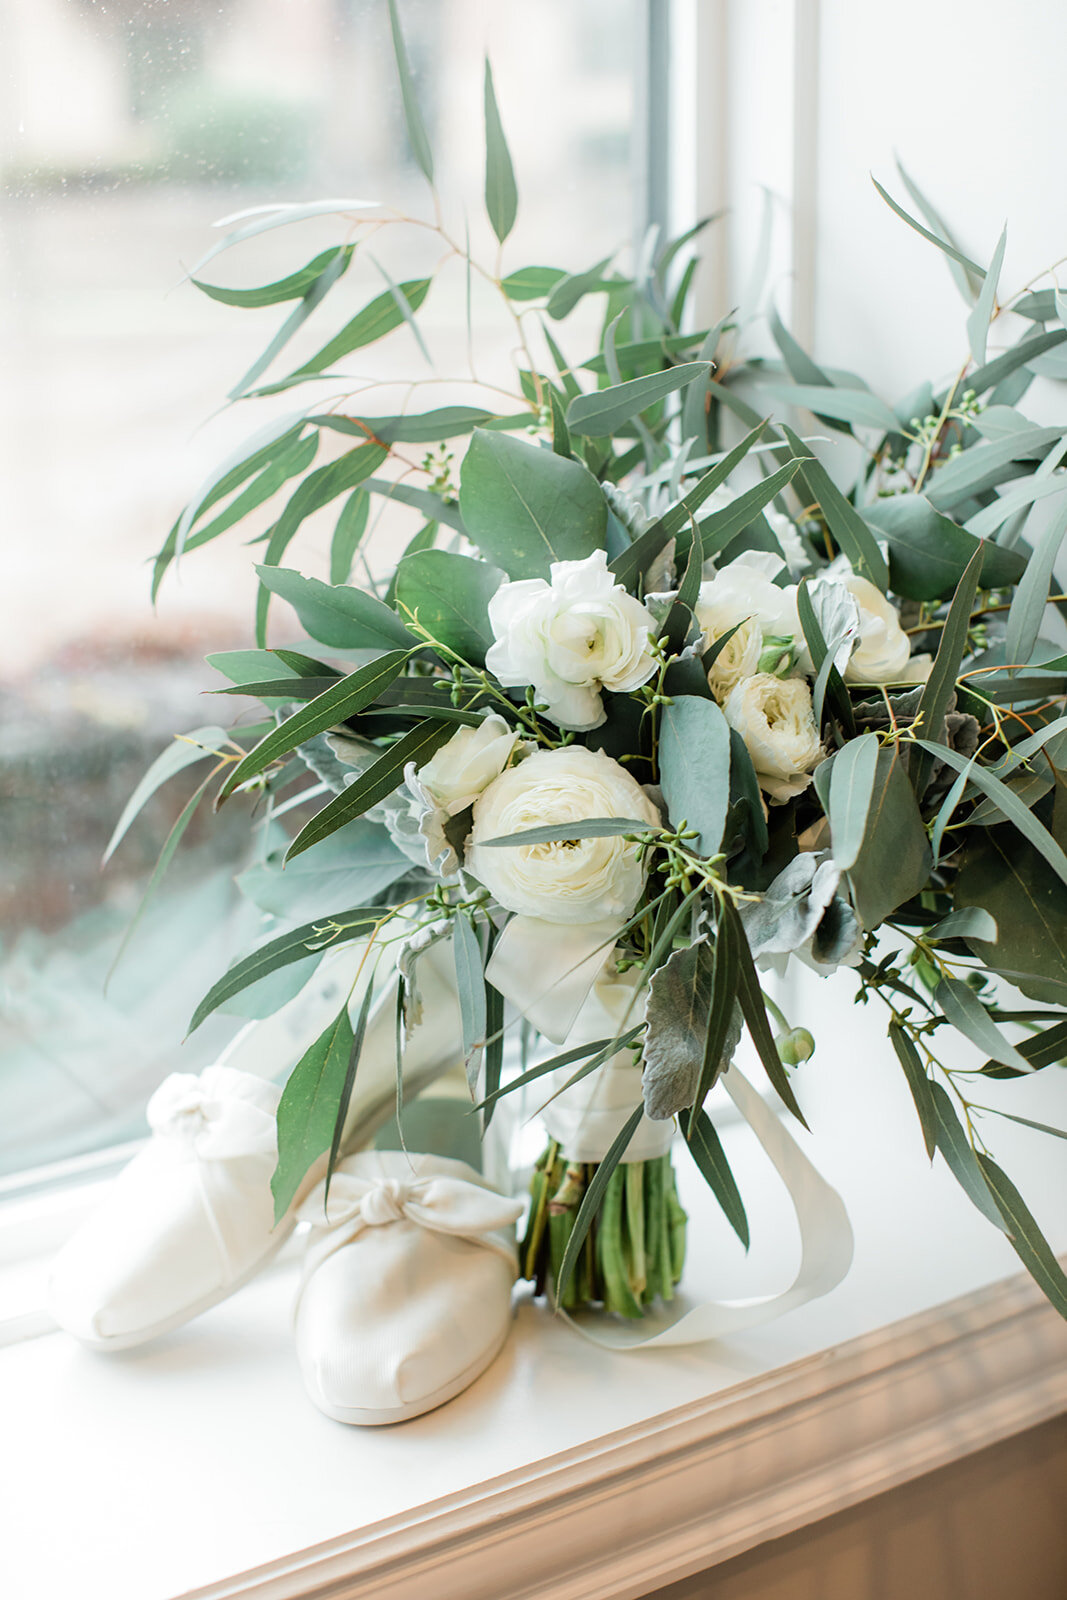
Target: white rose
[(882, 652), (577, 880), (465, 766), (774, 717), (570, 638)]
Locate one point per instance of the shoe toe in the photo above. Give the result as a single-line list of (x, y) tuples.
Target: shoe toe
[(400, 1320)]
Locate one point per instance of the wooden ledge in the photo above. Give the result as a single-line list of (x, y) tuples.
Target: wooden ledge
[(665, 1498)]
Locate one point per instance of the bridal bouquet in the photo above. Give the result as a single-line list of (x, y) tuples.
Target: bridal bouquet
[(652, 703)]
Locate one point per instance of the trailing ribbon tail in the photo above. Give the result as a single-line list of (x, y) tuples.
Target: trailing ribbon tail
[(826, 1242)]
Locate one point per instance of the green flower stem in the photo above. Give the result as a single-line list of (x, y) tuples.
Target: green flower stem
[(677, 1223), (634, 1176), (621, 1294), (635, 1250), (539, 1191)]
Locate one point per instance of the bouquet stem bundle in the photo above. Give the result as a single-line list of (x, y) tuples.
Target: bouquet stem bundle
[(634, 1251)]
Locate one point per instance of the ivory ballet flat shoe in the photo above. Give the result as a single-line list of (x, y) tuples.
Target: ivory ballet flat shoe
[(186, 1222), (406, 1293), (191, 1218)]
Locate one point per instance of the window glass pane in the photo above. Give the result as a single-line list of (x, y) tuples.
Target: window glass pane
[(129, 129)]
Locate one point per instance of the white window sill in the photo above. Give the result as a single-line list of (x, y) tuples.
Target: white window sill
[(197, 1466)]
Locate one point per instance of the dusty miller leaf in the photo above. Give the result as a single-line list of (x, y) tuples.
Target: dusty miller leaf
[(679, 1008)]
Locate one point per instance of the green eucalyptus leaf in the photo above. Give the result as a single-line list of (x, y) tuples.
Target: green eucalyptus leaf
[(750, 999), (723, 1032), (360, 859), (970, 267), (267, 483), (1024, 1235), (430, 427), (163, 861), (341, 700), (1005, 876), (717, 531), (604, 412), (525, 507), (940, 687), (799, 365), (312, 938), (844, 521), (295, 320), (265, 445), (1030, 598), (470, 986), (501, 195), (277, 214), (984, 306), (449, 595), (344, 617), (307, 1111), (595, 1054), (531, 283), (348, 533), (851, 792), (893, 863), (857, 406), (294, 287), (1012, 807), (420, 144), (593, 1200), (965, 1011), (185, 750), (694, 768), (341, 1115), (574, 287), (564, 832), (706, 1149), (994, 372), (970, 922), (629, 566), (929, 553), (967, 279), (954, 1146), (376, 783), (918, 1083), (1021, 498), (432, 506), (379, 317)]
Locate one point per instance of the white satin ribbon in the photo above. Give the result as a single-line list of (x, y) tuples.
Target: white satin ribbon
[(826, 1241), (220, 1115), (546, 969), (586, 1119)]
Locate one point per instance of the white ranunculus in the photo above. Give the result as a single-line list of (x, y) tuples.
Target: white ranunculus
[(746, 588), (882, 653), (574, 881), (571, 637), (467, 764), (774, 717), (738, 658)]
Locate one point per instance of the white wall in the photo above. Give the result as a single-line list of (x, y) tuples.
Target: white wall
[(811, 96)]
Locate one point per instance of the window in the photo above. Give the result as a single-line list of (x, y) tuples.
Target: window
[(132, 127)]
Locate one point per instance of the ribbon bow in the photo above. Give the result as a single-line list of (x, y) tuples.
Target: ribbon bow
[(216, 1116), (440, 1203)]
